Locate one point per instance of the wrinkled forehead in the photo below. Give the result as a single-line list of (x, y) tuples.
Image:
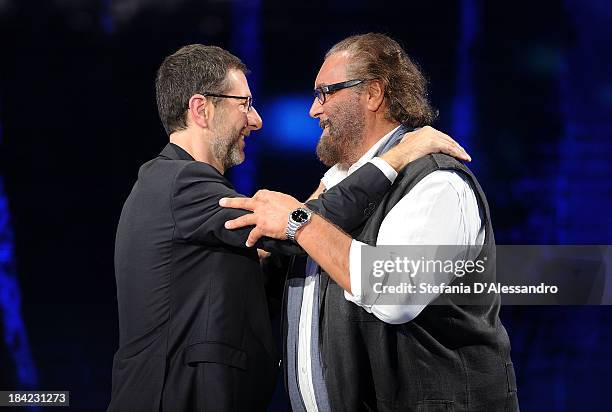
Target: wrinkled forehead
[(333, 69), (238, 84)]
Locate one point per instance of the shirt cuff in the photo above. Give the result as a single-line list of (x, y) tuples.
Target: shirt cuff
[(355, 272), (385, 168)]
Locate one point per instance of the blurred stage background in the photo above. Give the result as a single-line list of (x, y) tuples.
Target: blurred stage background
[(526, 87)]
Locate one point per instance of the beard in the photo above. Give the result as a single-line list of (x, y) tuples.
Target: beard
[(226, 144), (342, 141)]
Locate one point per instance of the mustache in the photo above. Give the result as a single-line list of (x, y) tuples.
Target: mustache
[(324, 123)]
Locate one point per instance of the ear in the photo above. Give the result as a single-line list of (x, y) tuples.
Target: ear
[(200, 111), (375, 93)]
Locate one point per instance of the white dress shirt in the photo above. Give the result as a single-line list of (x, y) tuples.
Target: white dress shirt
[(440, 210)]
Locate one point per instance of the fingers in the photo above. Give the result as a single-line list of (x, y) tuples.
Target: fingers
[(451, 141), (262, 254), (430, 134), (261, 194), (253, 237), (455, 151), (242, 221), (245, 203), (246, 220), (442, 142), (436, 134), (446, 138), (463, 155)]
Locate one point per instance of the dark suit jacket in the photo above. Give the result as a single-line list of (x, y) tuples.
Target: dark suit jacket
[(193, 320)]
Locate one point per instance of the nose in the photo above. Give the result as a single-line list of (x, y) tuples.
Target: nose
[(254, 120), (316, 109)]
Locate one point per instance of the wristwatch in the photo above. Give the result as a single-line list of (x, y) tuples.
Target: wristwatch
[(297, 218)]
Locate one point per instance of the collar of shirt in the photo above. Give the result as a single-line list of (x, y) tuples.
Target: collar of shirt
[(338, 173)]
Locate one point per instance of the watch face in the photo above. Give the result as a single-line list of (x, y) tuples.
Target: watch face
[(299, 216)]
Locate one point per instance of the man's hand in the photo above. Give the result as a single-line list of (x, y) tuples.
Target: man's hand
[(263, 254), (270, 214), (422, 142)]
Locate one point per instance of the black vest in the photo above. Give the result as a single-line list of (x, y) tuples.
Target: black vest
[(450, 357)]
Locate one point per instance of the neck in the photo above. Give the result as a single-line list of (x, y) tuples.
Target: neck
[(374, 132), (198, 146)]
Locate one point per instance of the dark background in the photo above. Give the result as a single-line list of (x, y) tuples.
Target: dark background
[(526, 87)]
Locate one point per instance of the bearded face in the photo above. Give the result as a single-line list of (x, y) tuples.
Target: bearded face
[(343, 132), (228, 141)]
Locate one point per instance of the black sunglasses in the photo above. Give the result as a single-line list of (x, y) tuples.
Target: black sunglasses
[(248, 99), (321, 91)]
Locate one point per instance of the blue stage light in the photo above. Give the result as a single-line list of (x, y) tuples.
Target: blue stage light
[(15, 335), (107, 22), (287, 125), (463, 103), (246, 19)]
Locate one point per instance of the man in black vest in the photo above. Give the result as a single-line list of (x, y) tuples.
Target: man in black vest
[(345, 350), (194, 326)]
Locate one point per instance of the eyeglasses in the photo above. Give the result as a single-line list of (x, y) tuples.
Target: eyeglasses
[(248, 100), (321, 91)]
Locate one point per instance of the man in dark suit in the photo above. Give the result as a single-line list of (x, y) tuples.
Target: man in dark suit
[(194, 326)]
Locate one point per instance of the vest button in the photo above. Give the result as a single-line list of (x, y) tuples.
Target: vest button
[(370, 209)]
